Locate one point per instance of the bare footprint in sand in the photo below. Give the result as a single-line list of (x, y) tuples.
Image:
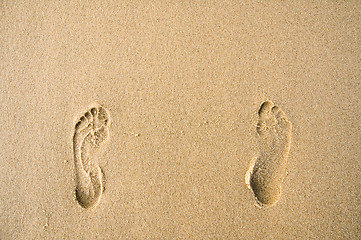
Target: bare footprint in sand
[(267, 171), (91, 133)]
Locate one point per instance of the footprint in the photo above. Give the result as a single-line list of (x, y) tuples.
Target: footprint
[(91, 134), (267, 171)]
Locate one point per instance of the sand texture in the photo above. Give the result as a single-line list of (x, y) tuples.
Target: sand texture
[(180, 120)]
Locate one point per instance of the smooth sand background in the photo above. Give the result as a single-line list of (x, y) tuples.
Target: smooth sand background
[(183, 83)]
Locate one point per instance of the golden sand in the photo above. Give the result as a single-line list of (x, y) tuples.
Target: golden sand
[(182, 83)]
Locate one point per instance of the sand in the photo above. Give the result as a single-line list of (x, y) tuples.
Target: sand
[(183, 84)]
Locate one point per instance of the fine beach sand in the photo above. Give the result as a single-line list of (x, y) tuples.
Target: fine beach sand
[(178, 90)]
